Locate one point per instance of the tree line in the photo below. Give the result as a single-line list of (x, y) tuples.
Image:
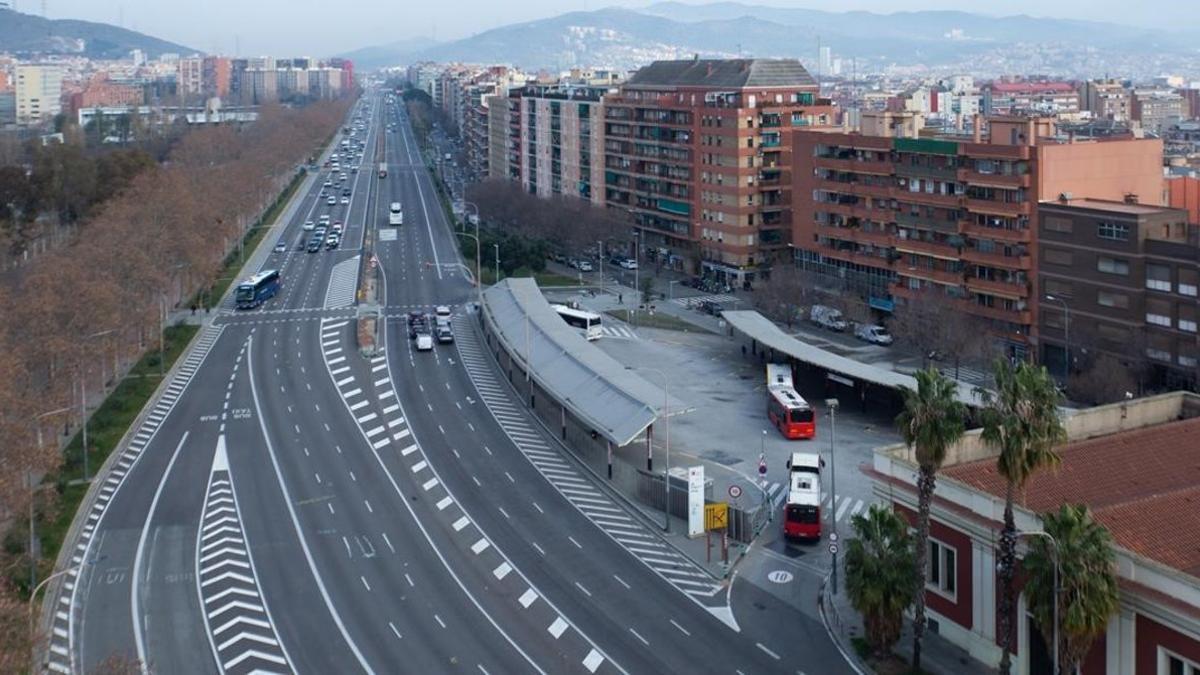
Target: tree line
[(85, 310)]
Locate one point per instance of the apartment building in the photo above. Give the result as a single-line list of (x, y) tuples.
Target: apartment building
[(38, 92), (190, 76), (1158, 109), (561, 140), (504, 137), (1123, 280), (1106, 99), (698, 152), (1006, 98), (899, 218)]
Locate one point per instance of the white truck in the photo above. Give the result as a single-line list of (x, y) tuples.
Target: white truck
[(395, 214), (874, 333), (827, 317)]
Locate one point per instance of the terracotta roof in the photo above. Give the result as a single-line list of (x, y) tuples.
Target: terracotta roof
[(1032, 87), (1143, 485)]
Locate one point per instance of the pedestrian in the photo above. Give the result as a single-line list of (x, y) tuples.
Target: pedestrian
[(193, 309), (743, 351), (620, 299)]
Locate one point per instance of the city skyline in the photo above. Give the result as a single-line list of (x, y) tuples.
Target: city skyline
[(289, 31)]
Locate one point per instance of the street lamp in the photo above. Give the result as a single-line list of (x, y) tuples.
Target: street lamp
[(34, 592), (33, 492), (667, 415), (832, 404), (497, 247), (1057, 573), (1066, 335), (83, 402)]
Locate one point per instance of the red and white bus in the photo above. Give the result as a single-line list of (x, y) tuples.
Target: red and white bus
[(787, 409), (802, 512)]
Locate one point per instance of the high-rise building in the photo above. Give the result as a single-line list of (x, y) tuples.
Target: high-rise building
[(190, 76), (561, 146), (1106, 99), (953, 217), (39, 92), (698, 152), (216, 75)]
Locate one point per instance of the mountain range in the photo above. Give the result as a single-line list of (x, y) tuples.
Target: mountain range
[(626, 38), (28, 35)]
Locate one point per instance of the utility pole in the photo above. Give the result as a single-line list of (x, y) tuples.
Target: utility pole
[(833, 536)]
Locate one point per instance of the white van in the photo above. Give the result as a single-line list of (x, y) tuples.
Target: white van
[(827, 317)]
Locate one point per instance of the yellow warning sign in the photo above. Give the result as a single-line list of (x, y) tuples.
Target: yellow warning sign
[(716, 516)]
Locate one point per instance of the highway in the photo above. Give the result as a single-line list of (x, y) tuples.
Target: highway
[(291, 506)]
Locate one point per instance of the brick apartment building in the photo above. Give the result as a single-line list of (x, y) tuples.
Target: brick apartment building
[(1136, 465), (896, 218), (550, 138), (1106, 99), (101, 93), (698, 152), (1007, 98), (1124, 280)]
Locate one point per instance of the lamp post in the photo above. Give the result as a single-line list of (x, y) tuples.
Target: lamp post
[(34, 592), (667, 415), (33, 492), (1057, 574), (83, 403), (1066, 335), (832, 404), (497, 247)]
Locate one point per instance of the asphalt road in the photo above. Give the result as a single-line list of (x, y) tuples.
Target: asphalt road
[(292, 506)]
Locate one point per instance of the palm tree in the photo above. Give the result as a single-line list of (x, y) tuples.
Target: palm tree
[(1088, 595), (1021, 419), (932, 421), (879, 564)]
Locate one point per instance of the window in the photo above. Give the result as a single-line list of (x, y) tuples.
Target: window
[(943, 573), (1158, 319), (1056, 224), (1158, 354), (1158, 277), (1188, 325), (1109, 299), (1059, 257), (1173, 664), (1112, 266), (1112, 231), (1188, 362)]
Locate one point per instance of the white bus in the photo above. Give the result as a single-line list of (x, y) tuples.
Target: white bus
[(587, 322)]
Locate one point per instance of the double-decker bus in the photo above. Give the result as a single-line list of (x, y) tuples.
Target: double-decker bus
[(257, 289), (787, 409), (587, 322), (802, 512)]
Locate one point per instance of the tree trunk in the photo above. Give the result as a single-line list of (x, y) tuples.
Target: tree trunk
[(1008, 560), (926, 481)]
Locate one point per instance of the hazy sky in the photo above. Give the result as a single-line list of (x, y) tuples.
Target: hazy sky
[(324, 27)]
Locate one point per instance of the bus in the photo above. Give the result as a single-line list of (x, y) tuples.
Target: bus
[(787, 409), (257, 289), (802, 512), (587, 322)]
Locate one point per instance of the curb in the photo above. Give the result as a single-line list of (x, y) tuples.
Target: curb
[(823, 603)]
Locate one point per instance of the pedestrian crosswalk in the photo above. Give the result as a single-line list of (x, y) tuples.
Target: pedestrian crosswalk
[(59, 654), (847, 507), (597, 506), (343, 282), (617, 331), (694, 300)]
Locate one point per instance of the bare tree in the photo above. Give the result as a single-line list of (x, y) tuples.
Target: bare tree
[(787, 294), (939, 330)]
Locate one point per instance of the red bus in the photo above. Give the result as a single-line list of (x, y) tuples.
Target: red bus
[(787, 410), (802, 513)]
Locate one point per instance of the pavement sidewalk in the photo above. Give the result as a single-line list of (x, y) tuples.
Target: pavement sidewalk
[(938, 655)]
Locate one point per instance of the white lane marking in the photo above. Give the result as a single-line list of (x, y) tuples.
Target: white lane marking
[(480, 546), (502, 571), (635, 634), (445, 501), (558, 627), (622, 582), (393, 627), (585, 591), (364, 582), (419, 466), (593, 661), (439, 620), (767, 651), (461, 523), (527, 598), (681, 628)]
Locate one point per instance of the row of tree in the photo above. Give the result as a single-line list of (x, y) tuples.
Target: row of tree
[(82, 312), (886, 569)]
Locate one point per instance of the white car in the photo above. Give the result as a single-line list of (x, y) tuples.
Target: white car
[(585, 266), (424, 342), (332, 201), (309, 226), (874, 334), (629, 264), (345, 200)]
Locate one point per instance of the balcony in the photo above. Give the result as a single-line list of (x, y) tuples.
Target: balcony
[(978, 257), (870, 260), (993, 179), (927, 248), (1018, 316), (947, 173), (877, 238), (1006, 289), (858, 210), (1010, 209), (971, 228), (949, 201), (941, 276), (854, 165), (925, 223)]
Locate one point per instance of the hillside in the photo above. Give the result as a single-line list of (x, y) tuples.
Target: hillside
[(623, 38), (392, 54), (26, 35)]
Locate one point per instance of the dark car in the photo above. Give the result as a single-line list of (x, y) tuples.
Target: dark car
[(418, 322)]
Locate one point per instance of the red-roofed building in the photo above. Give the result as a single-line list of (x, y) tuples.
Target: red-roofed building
[(1136, 465), (1051, 98)]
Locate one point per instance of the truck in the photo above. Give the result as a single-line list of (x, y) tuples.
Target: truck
[(383, 169), (395, 214), (827, 317), (802, 512)]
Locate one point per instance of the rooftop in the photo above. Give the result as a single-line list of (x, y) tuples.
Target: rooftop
[(723, 73), (1133, 209), (1034, 87), (1143, 485)]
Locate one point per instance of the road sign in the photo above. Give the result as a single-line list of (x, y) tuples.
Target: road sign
[(833, 548), (833, 537), (716, 516), (762, 466), (735, 491)]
